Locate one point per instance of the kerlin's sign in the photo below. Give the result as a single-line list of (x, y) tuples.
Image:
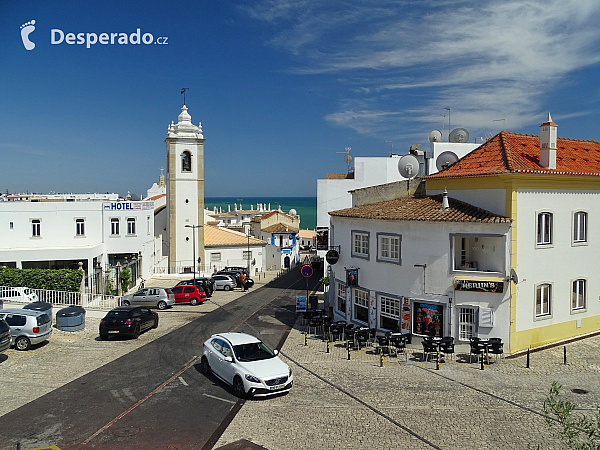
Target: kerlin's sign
[(492, 286)]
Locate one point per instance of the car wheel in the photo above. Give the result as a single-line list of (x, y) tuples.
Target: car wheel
[(126, 303), (238, 387), (194, 301), (137, 331), (22, 343), (155, 325), (204, 366), (227, 288), (103, 337), (162, 305)]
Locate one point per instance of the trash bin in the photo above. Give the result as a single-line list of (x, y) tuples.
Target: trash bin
[(40, 306), (71, 318)]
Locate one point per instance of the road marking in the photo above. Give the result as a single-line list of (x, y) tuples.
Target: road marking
[(183, 381), (127, 411), (129, 395), (219, 398)]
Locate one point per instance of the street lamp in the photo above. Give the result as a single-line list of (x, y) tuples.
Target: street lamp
[(248, 254), (193, 227)]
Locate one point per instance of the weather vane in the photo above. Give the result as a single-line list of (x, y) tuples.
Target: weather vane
[(183, 92)]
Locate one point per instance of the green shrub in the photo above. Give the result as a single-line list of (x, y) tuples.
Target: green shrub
[(125, 277), (53, 279)]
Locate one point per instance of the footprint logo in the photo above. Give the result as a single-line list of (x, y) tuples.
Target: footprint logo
[(26, 30)]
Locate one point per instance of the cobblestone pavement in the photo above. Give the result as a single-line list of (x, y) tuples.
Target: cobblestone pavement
[(340, 404), (67, 356)]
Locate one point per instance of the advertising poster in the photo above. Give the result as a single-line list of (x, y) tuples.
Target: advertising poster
[(301, 305), (322, 238), (405, 316), (428, 319)]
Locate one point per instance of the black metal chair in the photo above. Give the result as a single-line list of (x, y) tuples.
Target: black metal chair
[(398, 344), (384, 343), (476, 348), (496, 348), (362, 337), (315, 323), (336, 331), (429, 347)]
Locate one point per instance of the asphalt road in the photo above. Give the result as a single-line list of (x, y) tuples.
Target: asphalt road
[(155, 397)]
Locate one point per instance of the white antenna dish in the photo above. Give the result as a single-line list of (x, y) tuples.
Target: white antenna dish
[(347, 158), (513, 276), (445, 159), (459, 135), (435, 136), (408, 166)]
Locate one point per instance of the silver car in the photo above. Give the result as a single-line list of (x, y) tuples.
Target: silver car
[(153, 297), (27, 327), (224, 282)]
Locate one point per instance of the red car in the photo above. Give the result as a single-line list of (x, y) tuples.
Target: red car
[(188, 294)]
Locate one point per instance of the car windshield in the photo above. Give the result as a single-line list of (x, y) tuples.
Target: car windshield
[(254, 351), (117, 314)]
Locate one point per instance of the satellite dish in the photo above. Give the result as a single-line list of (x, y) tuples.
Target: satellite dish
[(513, 276), (347, 158), (408, 166), (293, 212), (445, 159), (435, 136), (459, 135)]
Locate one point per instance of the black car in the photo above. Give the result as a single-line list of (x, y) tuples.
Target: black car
[(127, 321), (236, 276), (205, 284), (4, 336)]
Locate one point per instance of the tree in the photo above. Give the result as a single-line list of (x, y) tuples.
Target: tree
[(577, 431), (125, 278)]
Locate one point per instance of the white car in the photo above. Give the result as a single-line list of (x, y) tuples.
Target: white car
[(17, 294), (247, 364)]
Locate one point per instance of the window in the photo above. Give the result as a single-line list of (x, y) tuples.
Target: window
[(148, 224), (247, 255), (341, 297), (36, 228), (361, 305), (466, 323), (390, 313), (389, 248), (360, 244), (215, 257), (544, 228), (580, 226), (131, 226), (114, 226), (79, 227), (543, 296), (578, 294), (186, 161), (11, 225)]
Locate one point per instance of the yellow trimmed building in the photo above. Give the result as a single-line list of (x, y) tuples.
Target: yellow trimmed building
[(550, 189)]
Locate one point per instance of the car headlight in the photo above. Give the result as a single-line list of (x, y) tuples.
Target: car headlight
[(289, 371), (252, 378)]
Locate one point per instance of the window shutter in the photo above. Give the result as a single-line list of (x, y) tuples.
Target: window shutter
[(486, 317)]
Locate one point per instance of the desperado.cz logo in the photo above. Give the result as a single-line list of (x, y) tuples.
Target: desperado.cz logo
[(58, 36)]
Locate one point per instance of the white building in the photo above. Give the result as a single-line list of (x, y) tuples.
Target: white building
[(224, 247), (61, 234)]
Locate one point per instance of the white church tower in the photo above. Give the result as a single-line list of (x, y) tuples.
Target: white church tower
[(185, 192)]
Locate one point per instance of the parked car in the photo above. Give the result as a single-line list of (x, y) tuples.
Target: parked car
[(18, 294), (188, 294), (236, 269), (127, 321), (247, 364), (205, 284), (153, 297), (40, 306), (4, 336), (27, 327), (236, 276), (225, 282)]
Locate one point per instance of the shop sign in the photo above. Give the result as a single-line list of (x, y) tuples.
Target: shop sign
[(352, 277), (322, 238), (428, 319), (492, 286), (332, 256)]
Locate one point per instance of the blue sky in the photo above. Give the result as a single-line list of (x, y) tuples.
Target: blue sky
[(281, 86)]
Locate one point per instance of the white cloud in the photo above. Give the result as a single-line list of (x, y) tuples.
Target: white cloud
[(496, 60)]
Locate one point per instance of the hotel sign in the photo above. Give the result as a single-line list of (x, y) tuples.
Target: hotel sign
[(127, 206), (492, 286)]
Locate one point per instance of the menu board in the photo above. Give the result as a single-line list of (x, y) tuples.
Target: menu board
[(405, 316), (428, 319)]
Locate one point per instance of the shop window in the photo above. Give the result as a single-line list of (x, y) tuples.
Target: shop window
[(467, 323), (361, 305), (341, 297), (428, 319), (390, 313)]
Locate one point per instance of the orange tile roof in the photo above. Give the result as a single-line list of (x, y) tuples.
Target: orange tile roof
[(421, 209), (218, 236), (280, 228), (307, 233), (271, 214), (156, 197), (520, 153)]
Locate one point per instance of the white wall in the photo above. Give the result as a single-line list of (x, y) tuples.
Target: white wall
[(493, 200), (233, 256), (560, 263)]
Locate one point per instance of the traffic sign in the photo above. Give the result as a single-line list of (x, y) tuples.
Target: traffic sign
[(306, 261), (306, 271)]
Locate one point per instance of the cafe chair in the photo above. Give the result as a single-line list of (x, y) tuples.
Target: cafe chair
[(429, 347), (315, 323), (398, 344), (476, 348), (363, 337), (384, 343), (496, 348)]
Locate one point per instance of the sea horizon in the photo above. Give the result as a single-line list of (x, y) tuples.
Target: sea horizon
[(306, 207)]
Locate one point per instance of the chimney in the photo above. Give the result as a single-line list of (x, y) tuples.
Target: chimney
[(548, 144), (445, 204)]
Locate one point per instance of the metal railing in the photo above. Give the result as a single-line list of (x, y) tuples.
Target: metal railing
[(64, 298)]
